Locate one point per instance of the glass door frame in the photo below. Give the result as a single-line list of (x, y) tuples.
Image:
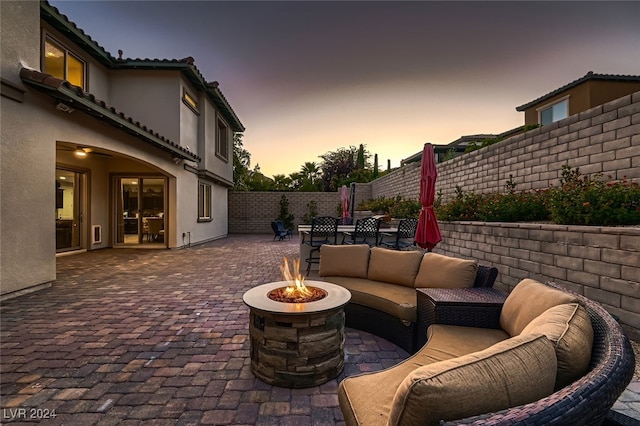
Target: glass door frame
[(80, 214), (124, 213)]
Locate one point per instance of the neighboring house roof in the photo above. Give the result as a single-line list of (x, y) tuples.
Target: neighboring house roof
[(70, 94), (589, 76), (59, 21)]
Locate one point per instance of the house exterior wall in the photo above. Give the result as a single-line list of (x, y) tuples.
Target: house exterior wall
[(29, 155), (584, 96), (26, 259), (152, 97)]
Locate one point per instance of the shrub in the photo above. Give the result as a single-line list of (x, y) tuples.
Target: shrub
[(584, 200), (395, 207)]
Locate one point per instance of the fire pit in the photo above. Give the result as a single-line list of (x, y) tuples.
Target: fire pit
[(296, 344)]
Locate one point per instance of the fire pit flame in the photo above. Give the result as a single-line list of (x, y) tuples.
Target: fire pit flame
[(297, 292)]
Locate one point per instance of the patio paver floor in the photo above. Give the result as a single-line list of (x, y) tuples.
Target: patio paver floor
[(134, 337), (140, 337)]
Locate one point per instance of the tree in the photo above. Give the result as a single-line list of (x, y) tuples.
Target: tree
[(336, 166), (360, 161), (241, 163), (285, 216), (376, 173), (310, 177)]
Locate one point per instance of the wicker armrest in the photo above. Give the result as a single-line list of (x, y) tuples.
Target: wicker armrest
[(469, 307)]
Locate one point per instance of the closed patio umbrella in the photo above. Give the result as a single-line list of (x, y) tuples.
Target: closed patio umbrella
[(344, 200), (428, 232)]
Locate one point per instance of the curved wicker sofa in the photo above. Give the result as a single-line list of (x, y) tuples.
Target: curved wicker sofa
[(586, 401), (393, 275)]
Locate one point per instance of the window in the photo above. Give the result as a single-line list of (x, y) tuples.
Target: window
[(204, 202), (62, 64), (222, 140), (552, 113), (190, 101)]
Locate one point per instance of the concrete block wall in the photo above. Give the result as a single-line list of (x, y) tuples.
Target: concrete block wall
[(601, 263), (604, 139), (252, 212)]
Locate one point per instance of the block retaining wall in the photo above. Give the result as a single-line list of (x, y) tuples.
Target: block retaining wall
[(601, 263)]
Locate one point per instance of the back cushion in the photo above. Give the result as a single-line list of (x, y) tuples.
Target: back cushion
[(568, 326), (344, 261), (395, 267), (526, 301), (515, 371), (441, 271)]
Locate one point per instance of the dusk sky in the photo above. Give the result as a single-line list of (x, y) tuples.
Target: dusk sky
[(306, 78)]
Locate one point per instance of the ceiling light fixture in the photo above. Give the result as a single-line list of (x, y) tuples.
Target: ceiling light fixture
[(80, 153)]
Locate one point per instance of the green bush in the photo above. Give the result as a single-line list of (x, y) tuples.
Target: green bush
[(395, 207), (584, 200), (580, 200)]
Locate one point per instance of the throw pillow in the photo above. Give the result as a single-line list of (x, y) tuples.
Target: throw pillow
[(513, 372), (395, 267), (344, 261), (441, 271), (526, 301), (568, 326)]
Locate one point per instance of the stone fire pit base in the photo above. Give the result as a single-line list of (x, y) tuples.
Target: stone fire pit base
[(297, 351)]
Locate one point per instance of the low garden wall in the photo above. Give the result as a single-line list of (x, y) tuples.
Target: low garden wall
[(602, 263)]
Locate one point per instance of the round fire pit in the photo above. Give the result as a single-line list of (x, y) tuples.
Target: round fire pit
[(297, 345)]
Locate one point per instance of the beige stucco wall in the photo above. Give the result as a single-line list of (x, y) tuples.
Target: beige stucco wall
[(27, 236)]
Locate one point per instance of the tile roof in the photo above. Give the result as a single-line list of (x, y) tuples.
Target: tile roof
[(589, 76), (75, 98), (186, 65)]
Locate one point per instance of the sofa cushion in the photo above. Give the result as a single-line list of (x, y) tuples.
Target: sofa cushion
[(395, 267), (451, 341), (441, 271), (568, 326), (527, 300), (344, 260), (517, 371), (396, 300)]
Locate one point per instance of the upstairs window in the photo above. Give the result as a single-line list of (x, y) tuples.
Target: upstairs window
[(222, 140), (62, 64), (190, 101), (555, 112)]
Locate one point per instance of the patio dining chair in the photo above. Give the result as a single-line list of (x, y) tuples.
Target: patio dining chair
[(366, 229), (324, 230), (404, 238)]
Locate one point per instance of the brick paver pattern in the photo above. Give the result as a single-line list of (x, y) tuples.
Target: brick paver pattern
[(148, 337)]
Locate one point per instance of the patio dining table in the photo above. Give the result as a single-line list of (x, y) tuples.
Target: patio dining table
[(306, 229)]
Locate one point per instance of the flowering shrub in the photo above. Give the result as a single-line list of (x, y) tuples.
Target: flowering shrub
[(579, 200), (584, 200)]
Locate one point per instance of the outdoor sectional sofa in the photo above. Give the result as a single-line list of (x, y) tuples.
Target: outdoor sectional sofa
[(549, 357), (383, 285)]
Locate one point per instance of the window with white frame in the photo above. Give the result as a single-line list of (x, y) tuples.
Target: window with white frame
[(61, 63), (554, 112), (204, 202), (222, 140)]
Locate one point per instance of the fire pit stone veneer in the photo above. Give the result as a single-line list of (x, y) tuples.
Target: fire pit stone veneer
[(297, 345)]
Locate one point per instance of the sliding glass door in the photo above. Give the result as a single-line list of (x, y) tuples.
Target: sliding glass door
[(140, 210)]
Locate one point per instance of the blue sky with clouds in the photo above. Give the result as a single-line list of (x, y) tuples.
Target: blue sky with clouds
[(308, 77)]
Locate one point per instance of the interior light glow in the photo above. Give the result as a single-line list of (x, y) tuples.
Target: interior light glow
[(80, 153)]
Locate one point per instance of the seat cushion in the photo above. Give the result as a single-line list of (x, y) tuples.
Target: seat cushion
[(396, 300), (344, 260), (396, 267), (527, 300), (568, 326), (451, 341), (516, 371), (441, 271)]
